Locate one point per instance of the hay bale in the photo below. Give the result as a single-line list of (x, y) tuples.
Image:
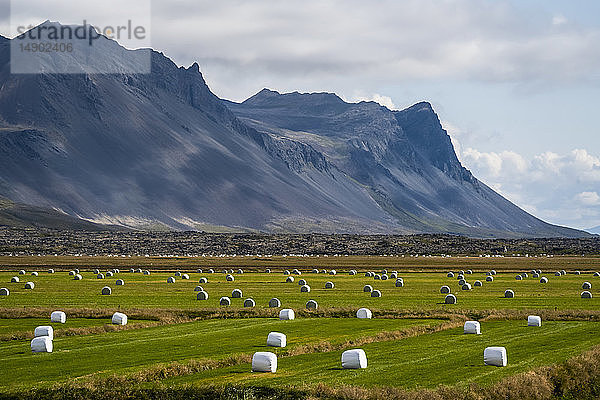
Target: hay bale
[(34, 273), (367, 288), (224, 301), (236, 294), (296, 272), (100, 276), (210, 271), (171, 279), (534, 320), (286, 314), (544, 280), (354, 359), (71, 273), (230, 278), (477, 284), (352, 272), (178, 274), (106, 291), (301, 282), (596, 274), (198, 289), (384, 277), (329, 285), (131, 270), (97, 271), (466, 286), (333, 272), (586, 295), (274, 303), (509, 294), (311, 305), (460, 277), (286, 272), (22, 272), (586, 285), (399, 282), (199, 271), (462, 272), (58, 317), (489, 278), (146, 272), (472, 328), (249, 303), (495, 356), (367, 274), (14, 279), (577, 273), (461, 282), (450, 275), (450, 299), (364, 313), (563, 272), (203, 280), (305, 289), (240, 271), (268, 271), (45, 330), (493, 272), (50, 271), (377, 277), (445, 289), (202, 295), (323, 271), (470, 272), (376, 293), (119, 318), (42, 344), (315, 271), (77, 277), (29, 285), (120, 282), (276, 339), (519, 277), (525, 275), (264, 361), (4, 292), (384, 271), (557, 273), (109, 274), (185, 276), (394, 275), (289, 279), (538, 271)]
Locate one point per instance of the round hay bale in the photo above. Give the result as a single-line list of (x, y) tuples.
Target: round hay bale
[(377, 277), (29, 285), (119, 318), (230, 278), (489, 278), (586, 285), (146, 272), (596, 274), (352, 272), (305, 289), (171, 279), (199, 270), (131, 270), (240, 271), (185, 276), (301, 282), (477, 283), (399, 282), (450, 275), (445, 289), (534, 320), (470, 272), (236, 294), (535, 275), (462, 272), (557, 273), (34, 273), (203, 280), (249, 303), (394, 275), (42, 344), (268, 271), (367, 274), (329, 285), (58, 317), (466, 286), (276, 339), (46, 330), (198, 289), (472, 328), (50, 271), (354, 359), (577, 273), (364, 313), (14, 279), (71, 273), (210, 271), (493, 272), (544, 280), (459, 277), (77, 277), (286, 272), (525, 275), (224, 301), (22, 272), (289, 279), (376, 293), (202, 295), (519, 277), (509, 294), (462, 282), (586, 295), (323, 271), (4, 291), (367, 288), (384, 277), (296, 272), (274, 303), (100, 276), (286, 314), (333, 272), (177, 274), (120, 282), (97, 271), (315, 271), (311, 305), (450, 299), (264, 361), (384, 271), (538, 271), (109, 274), (106, 291)]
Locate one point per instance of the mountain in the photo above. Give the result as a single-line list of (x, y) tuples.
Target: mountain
[(160, 150), (594, 231)]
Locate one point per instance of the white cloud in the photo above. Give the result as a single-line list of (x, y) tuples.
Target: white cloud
[(558, 20), (385, 101), (588, 198)]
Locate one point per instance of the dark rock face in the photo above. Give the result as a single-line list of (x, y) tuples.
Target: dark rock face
[(161, 150)]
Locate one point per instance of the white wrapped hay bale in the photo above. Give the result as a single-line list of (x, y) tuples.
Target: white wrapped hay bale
[(394, 275), (296, 272), (198, 289), (315, 271), (557, 273), (236, 294), (384, 277), (301, 282), (352, 272), (329, 285), (445, 289), (249, 303), (100, 276), (131, 270), (596, 274), (210, 271), (450, 275), (178, 274), (276, 339), (577, 273), (120, 282), (146, 272), (367, 288), (399, 282), (106, 291), (29, 285), (34, 273), (489, 278), (119, 318), (333, 272), (534, 320), (97, 271), (225, 301), (472, 328), (202, 295), (45, 330), (286, 272), (461, 282), (50, 271), (202, 280), (185, 276), (493, 272), (354, 359), (22, 272), (171, 279), (4, 291), (289, 279), (286, 314), (42, 344), (311, 305), (264, 361), (586, 295), (109, 274), (71, 273), (519, 277), (58, 317), (230, 278), (450, 299), (470, 272), (240, 271), (495, 356), (509, 294), (377, 277), (77, 277), (274, 303), (586, 285), (535, 275), (376, 293), (543, 279), (268, 271), (364, 313), (477, 284), (199, 271), (466, 286), (14, 279), (305, 289)]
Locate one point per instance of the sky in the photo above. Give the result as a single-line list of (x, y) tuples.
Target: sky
[(514, 82)]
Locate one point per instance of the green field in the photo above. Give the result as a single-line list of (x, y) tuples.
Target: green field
[(414, 341)]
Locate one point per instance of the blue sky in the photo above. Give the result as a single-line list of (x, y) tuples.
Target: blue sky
[(516, 83)]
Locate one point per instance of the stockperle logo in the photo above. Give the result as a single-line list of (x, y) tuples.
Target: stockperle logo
[(77, 38)]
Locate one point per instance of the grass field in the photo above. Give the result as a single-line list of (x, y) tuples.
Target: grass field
[(174, 340)]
